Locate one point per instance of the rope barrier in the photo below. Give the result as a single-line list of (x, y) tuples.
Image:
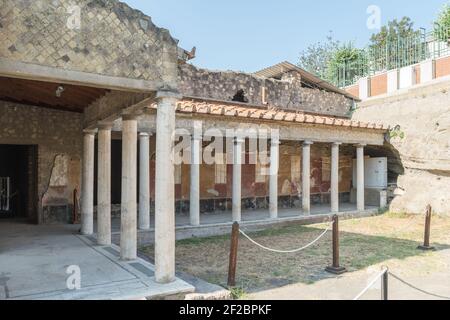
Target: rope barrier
[(418, 289), (386, 270), (287, 251)]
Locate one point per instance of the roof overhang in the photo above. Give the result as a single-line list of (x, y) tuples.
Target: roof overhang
[(283, 67)]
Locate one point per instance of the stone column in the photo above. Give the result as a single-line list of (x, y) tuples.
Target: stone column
[(195, 181), (128, 236), (87, 192), (165, 189), (306, 177), (104, 186), (335, 177), (144, 181), (273, 183), (237, 180), (360, 178)]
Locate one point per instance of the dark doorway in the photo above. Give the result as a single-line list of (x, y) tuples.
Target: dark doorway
[(18, 182), (116, 171)]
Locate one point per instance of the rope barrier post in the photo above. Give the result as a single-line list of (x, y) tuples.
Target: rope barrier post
[(336, 268), (426, 243), (385, 286), (233, 255)]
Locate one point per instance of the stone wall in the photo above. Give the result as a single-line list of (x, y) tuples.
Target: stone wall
[(288, 93), (58, 136), (97, 36), (421, 116)]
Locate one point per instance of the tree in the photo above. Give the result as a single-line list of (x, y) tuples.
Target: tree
[(316, 57), (393, 30), (442, 24), (397, 44), (345, 64)]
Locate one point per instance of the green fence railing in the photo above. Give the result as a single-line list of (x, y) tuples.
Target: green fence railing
[(396, 52)]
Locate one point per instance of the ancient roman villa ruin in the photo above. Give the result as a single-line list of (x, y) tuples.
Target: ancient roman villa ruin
[(92, 111)]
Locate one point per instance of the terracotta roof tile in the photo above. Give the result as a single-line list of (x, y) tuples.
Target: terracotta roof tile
[(229, 110)]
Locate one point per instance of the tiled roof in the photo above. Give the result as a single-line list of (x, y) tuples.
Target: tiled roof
[(239, 111), (283, 67)]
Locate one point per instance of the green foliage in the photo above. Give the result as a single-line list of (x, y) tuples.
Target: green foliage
[(338, 67), (316, 57), (397, 133), (392, 31), (238, 293), (397, 44), (442, 24)]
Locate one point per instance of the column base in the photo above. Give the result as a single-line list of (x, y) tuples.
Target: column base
[(165, 281), (336, 270), (424, 248), (128, 259)]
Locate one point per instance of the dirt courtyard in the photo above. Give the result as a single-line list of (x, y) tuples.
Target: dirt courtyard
[(366, 245)]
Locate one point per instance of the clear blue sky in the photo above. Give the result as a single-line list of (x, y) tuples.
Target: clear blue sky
[(248, 35)]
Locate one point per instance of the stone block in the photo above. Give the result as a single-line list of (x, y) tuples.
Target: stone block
[(427, 71), (392, 81), (364, 88), (407, 77)]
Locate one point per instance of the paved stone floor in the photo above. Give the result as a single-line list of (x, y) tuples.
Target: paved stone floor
[(34, 262)]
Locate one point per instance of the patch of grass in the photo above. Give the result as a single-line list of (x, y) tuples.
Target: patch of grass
[(397, 215), (238, 293), (390, 239)]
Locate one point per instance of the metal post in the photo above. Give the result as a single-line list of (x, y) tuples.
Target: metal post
[(426, 243), (385, 286), (336, 268), (233, 255)]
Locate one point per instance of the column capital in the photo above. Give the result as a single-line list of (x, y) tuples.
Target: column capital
[(238, 140), (337, 144), (195, 137), (307, 143), (168, 94), (275, 142), (105, 125), (360, 145), (90, 132), (145, 134), (129, 116)]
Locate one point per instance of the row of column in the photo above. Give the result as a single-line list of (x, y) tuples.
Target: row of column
[(273, 179), (104, 180), (164, 182)]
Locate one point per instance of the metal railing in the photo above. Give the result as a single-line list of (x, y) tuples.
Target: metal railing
[(396, 52)]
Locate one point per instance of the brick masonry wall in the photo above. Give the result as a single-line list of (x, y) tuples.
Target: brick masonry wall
[(417, 74), (353, 90), (442, 67), (113, 39), (283, 94), (58, 136), (378, 84)]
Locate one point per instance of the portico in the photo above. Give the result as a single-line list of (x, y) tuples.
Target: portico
[(315, 198), (98, 121)]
